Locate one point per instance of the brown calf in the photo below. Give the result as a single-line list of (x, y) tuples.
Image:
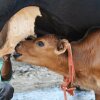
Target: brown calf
[(52, 52)]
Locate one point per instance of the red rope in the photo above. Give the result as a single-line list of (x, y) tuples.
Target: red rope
[(68, 82)]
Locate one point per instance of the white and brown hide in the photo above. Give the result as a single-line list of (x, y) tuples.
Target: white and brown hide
[(20, 26)]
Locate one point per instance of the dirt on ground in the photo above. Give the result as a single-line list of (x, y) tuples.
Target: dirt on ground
[(29, 77)]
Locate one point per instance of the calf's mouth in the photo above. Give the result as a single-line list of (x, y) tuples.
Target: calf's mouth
[(16, 55)]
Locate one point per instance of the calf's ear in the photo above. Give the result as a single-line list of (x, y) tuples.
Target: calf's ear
[(62, 46)]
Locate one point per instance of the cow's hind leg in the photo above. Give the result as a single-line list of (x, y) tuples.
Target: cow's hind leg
[(2, 39), (3, 35)]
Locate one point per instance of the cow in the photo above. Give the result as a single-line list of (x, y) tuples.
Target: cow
[(51, 52), (67, 19)]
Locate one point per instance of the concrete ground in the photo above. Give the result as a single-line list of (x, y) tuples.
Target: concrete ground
[(53, 94)]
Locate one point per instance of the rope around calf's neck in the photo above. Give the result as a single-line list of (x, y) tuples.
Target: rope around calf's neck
[(68, 81)]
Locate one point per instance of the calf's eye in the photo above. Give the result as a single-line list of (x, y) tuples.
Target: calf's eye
[(40, 43)]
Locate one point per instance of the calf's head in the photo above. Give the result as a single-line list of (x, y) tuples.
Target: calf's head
[(44, 51)]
